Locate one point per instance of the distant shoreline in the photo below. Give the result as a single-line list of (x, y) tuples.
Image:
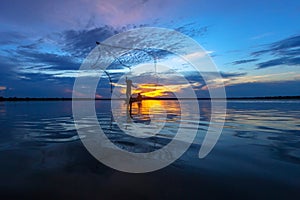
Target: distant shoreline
[(148, 98)]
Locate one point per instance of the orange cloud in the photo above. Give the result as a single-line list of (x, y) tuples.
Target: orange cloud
[(155, 90), (79, 94), (98, 96), (3, 88), (76, 93)]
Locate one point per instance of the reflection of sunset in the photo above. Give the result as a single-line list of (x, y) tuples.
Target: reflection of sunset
[(152, 107)]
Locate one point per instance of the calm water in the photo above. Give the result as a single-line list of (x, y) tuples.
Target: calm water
[(257, 155)]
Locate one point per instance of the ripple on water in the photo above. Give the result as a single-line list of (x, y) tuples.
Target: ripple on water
[(60, 129)]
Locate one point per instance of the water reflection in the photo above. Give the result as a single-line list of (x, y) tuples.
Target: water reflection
[(273, 126), (144, 108), (2, 109), (147, 112), (60, 129), (143, 127), (260, 140)]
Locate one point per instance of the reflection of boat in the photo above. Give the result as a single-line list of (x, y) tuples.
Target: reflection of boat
[(134, 98)]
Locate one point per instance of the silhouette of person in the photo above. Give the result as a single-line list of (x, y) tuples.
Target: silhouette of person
[(128, 89)]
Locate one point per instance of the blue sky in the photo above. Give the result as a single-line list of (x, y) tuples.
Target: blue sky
[(255, 44)]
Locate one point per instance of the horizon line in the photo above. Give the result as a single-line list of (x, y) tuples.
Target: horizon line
[(145, 98)]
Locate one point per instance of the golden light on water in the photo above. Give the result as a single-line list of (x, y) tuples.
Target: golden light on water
[(152, 107)]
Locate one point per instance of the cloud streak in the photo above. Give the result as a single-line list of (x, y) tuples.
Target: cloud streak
[(238, 62), (284, 52), (292, 61)]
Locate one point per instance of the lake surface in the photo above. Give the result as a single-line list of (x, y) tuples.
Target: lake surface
[(256, 157)]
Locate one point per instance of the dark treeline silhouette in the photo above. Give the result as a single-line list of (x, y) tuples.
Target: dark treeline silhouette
[(149, 98)]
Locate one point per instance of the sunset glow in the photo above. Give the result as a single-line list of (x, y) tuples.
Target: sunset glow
[(156, 90)]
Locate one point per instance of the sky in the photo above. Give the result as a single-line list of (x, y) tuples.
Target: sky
[(254, 44)]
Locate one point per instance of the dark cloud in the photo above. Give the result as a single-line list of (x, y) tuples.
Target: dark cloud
[(288, 46), (193, 29), (80, 42), (7, 70), (53, 61), (279, 61), (139, 56), (71, 48), (11, 37), (213, 75), (284, 46), (35, 60), (238, 62), (231, 75), (285, 52)]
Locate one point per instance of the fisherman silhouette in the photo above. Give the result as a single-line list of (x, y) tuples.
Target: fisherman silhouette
[(128, 89)]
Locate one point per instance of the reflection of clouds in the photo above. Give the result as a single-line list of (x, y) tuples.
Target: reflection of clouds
[(2, 110), (265, 125), (275, 129), (272, 120)]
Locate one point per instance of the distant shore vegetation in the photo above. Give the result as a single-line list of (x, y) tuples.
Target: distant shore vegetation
[(146, 98)]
